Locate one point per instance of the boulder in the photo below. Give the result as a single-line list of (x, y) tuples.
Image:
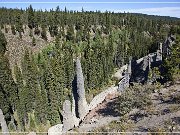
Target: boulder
[(56, 130)]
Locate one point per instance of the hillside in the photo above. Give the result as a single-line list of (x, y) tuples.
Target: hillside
[(65, 68), (160, 116)]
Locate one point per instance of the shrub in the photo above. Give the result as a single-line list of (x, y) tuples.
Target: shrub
[(176, 98), (13, 30), (134, 97), (37, 31)]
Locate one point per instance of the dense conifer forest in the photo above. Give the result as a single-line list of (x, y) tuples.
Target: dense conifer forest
[(32, 92)]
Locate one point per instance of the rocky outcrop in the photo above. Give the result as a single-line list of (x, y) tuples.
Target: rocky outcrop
[(141, 67), (75, 119), (4, 127), (75, 112), (67, 116), (82, 106), (166, 48), (56, 130), (119, 73), (69, 119), (124, 83)]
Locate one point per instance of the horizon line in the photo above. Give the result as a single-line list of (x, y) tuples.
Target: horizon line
[(105, 2)]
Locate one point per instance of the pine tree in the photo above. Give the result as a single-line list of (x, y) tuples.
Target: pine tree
[(44, 105), (13, 30), (43, 33), (38, 107), (172, 63), (50, 86), (21, 108), (37, 31), (8, 88), (31, 20), (33, 41), (41, 98), (3, 43), (32, 125), (31, 84), (19, 25)]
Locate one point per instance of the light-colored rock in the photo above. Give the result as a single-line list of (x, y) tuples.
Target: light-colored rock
[(118, 75), (56, 130), (68, 120), (129, 66), (145, 63), (124, 83), (82, 103), (71, 118), (4, 127), (75, 119), (32, 133), (101, 97), (139, 60)]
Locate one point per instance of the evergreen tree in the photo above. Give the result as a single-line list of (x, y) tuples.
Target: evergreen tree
[(43, 33), (50, 86), (21, 108), (3, 43), (172, 63), (31, 20), (31, 84), (13, 30), (8, 89), (19, 25), (33, 41)]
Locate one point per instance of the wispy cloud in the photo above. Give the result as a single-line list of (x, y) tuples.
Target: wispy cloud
[(162, 11)]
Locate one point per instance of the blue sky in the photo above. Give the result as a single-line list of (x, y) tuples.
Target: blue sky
[(154, 7)]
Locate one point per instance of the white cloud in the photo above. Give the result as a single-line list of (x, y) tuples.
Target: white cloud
[(162, 11)]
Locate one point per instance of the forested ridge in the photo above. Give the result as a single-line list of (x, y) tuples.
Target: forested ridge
[(32, 99)]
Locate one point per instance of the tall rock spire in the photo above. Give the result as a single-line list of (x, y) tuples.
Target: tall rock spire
[(81, 99)]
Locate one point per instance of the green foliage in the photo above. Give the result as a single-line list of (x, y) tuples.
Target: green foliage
[(50, 86), (19, 25), (172, 63), (30, 76), (32, 125), (13, 30), (31, 19), (3, 43), (8, 88), (21, 107), (43, 34), (70, 33), (2, 26), (30, 33), (6, 29), (102, 40), (33, 41), (134, 97), (36, 31)]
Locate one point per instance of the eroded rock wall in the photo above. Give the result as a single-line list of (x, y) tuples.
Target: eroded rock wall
[(101, 97)]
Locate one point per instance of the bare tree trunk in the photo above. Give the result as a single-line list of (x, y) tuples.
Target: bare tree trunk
[(3, 124)]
